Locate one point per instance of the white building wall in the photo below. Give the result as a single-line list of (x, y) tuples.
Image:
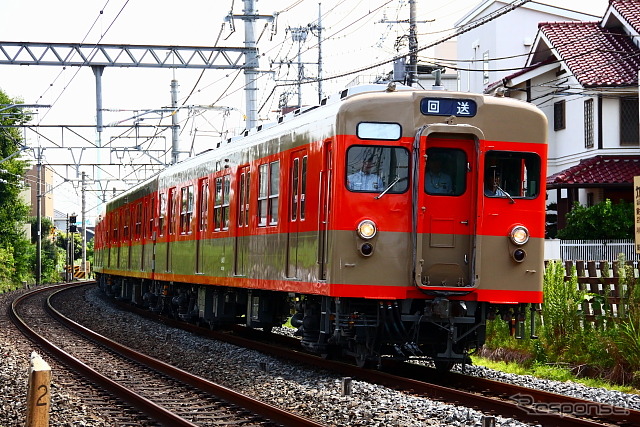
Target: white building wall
[(509, 36)]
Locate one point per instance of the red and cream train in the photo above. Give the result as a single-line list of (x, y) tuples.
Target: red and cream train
[(385, 223)]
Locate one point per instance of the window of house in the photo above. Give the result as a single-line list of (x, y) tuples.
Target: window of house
[(588, 123), (629, 121), (559, 116), (186, 209), (485, 67)]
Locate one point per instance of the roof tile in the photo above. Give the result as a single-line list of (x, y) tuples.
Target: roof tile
[(596, 56), (598, 170)]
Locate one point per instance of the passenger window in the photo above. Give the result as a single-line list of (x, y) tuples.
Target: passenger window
[(512, 174), (372, 169), (446, 172)]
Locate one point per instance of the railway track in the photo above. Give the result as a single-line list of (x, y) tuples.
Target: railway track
[(152, 389), (490, 397)]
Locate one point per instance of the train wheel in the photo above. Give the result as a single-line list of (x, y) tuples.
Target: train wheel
[(443, 366), (362, 356)]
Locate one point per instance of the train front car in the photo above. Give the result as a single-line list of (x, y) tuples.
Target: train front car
[(435, 220)]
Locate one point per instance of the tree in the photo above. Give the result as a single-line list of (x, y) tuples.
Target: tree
[(13, 211), (602, 221)]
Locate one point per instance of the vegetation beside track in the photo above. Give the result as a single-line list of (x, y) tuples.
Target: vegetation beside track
[(570, 343)]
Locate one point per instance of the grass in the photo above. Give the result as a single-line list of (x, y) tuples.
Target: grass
[(549, 372)]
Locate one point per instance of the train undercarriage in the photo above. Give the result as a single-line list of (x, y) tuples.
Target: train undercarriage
[(440, 329)]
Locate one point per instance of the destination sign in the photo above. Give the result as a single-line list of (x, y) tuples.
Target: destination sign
[(448, 107)]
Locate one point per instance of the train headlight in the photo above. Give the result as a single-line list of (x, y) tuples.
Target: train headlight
[(367, 229), (519, 235)]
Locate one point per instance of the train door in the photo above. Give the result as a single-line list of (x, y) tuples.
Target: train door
[(203, 222), (324, 209), (446, 209), (171, 222), (151, 234), (241, 256), (297, 205)]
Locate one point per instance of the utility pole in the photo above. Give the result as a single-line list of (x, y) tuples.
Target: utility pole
[(413, 45), (411, 69), (251, 63), (299, 35), (319, 28), (39, 218), (175, 127), (84, 227)]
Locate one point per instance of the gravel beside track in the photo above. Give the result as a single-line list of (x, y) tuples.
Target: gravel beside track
[(308, 392)]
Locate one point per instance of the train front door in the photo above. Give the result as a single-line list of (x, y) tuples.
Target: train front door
[(445, 210)]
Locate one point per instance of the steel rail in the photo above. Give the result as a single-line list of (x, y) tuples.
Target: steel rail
[(144, 405), (263, 409)]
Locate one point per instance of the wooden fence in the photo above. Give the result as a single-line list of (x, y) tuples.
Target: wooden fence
[(601, 279)]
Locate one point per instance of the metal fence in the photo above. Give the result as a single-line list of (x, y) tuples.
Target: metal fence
[(598, 250)]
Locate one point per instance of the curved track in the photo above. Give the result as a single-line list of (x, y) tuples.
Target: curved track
[(491, 397), (167, 395)]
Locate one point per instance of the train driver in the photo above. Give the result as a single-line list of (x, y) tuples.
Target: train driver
[(437, 181), (364, 179), (492, 180)]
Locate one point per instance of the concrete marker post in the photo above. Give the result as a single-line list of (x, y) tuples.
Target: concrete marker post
[(38, 393)]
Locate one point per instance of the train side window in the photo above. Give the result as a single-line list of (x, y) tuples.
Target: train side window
[(274, 191), (514, 174), (226, 186), (373, 168), (163, 212), (138, 229), (203, 204), (446, 172), (263, 183), (186, 209), (268, 193), (172, 211), (152, 214), (125, 222), (243, 198), (303, 187)]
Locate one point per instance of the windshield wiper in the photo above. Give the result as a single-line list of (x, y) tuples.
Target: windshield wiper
[(505, 193), (395, 181)]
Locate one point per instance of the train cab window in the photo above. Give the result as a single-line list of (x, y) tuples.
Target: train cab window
[(374, 169), (446, 172), (512, 174)]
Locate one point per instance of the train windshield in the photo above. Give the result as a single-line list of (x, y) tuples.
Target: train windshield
[(512, 174), (446, 172), (374, 168)]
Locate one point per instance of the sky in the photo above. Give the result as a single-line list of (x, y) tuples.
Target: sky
[(358, 34)]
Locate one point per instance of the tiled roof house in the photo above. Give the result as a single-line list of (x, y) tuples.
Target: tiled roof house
[(584, 76)]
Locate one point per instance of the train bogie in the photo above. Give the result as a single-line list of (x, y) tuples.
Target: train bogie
[(390, 223)]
